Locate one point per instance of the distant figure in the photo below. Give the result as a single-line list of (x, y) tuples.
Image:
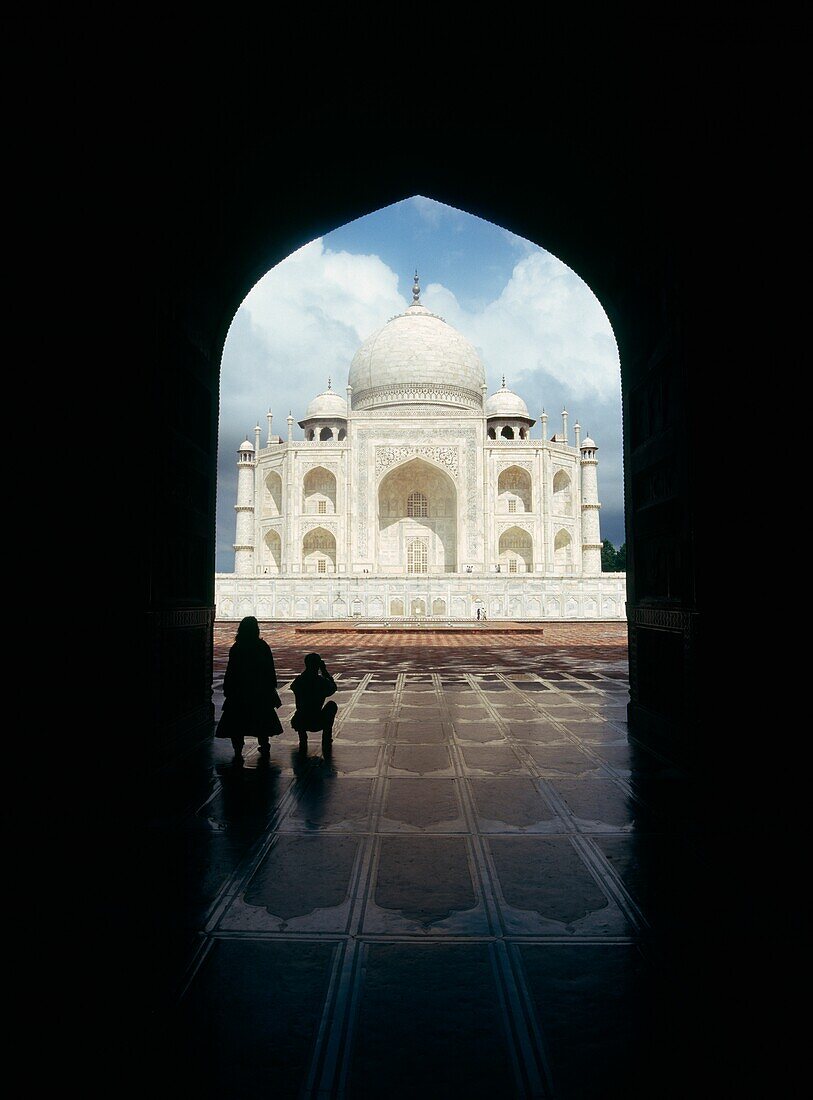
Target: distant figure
[(310, 689), (484, 614), (250, 690), (478, 614)]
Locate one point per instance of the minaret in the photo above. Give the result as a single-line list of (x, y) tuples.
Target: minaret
[(577, 431), (257, 430), (544, 421), (290, 427), (244, 538), (591, 532), (269, 417), (564, 425)]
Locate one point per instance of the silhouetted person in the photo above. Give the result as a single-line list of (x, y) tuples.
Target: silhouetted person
[(310, 689), (250, 689), (478, 614)]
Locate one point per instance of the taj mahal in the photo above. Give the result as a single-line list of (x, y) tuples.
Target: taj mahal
[(418, 496)]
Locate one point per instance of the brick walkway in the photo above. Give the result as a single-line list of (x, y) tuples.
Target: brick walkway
[(464, 901)]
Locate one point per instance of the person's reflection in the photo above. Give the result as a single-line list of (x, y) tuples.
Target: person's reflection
[(313, 787), (249, 794)]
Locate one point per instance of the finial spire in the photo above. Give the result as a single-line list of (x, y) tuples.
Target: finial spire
[(328, 381), (503, 381), (416, 289)]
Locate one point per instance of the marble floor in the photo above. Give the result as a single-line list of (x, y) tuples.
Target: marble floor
[(474, 897)]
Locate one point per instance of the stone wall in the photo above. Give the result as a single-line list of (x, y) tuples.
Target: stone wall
[(457, 596)]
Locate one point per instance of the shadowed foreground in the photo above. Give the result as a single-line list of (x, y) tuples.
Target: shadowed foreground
[(477, 896)]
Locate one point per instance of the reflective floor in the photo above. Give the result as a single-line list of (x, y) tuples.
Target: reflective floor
[(473, 897)]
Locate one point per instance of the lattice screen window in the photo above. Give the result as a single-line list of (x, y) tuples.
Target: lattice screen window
[(512, 506), (512, 565), (417, 505), (321, 566), (417, 557), (321, 507)]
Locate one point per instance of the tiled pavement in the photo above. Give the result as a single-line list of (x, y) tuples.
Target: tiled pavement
[(469, 899)]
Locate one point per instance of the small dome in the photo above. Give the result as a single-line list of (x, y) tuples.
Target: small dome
[(246, 446), (327, 404), (506, 403), (589, 444)]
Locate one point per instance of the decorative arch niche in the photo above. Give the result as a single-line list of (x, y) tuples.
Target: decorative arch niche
[(562, 493), (319, 492), (272, 494), (563, 552), (416, 500), (272, 553), (516, 550), (319, 551), (514, 490)]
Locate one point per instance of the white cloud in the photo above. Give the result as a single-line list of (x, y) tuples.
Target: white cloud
[(546, 325), (306, 318)]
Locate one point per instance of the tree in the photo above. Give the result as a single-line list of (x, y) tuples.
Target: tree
[(621, 558), (608, 557)]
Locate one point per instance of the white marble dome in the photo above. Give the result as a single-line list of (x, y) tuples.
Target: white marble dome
[(507, 404), (417, 358), (246, 446), (329, 404), (590, 444)]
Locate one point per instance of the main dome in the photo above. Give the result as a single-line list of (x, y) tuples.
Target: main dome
[(416, 358)]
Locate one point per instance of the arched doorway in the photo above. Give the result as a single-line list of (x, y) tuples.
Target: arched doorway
[(645, 312), (417, 520)]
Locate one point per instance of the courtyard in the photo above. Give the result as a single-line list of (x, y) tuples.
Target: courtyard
[(468, 899)]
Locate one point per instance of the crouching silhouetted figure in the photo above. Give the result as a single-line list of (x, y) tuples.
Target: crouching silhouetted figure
[(250, 690), (310, 689)]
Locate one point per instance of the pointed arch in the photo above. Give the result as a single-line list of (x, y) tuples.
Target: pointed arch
[(319, 492), (563, 551), (562, 493), (417, 499), (514, 490), (319, 551), (272, 552), (272, 494), (516, 551)]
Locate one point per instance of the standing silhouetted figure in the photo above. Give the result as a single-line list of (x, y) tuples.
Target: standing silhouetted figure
[(250, 688), (310, 689)]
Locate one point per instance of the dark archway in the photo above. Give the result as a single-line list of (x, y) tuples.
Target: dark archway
[(614, 202), (635, 265)]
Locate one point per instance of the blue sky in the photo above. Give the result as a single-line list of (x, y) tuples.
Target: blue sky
[(527, 313)]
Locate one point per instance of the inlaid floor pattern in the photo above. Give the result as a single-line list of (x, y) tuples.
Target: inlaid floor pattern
[(458, 903)]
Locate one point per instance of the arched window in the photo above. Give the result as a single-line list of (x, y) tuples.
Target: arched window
[(325, 434), (417, 556), (507, 432), (342, 434), (492, 434), (417, 506)]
